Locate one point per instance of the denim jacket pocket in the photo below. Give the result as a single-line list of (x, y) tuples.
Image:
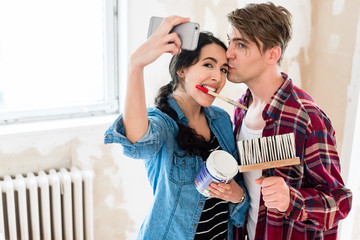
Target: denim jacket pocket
[(183, 169)]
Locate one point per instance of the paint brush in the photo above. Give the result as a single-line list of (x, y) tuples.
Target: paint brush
[(267, 153), (228, 100)]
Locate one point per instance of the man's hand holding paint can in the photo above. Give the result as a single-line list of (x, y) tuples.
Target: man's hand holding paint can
[(220, 167)]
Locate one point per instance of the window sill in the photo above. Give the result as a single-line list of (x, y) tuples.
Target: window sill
[(51, 125)]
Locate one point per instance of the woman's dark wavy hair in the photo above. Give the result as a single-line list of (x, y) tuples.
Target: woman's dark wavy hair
[(187, 138)]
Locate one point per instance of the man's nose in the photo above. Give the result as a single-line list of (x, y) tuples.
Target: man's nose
[(230, 52)]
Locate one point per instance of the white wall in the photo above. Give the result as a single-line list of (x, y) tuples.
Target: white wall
[(121, 191)]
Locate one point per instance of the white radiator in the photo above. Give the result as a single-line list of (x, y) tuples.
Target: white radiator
[(57, 204)]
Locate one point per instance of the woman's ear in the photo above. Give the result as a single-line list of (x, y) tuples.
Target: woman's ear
[(181, 73), (274, 54)]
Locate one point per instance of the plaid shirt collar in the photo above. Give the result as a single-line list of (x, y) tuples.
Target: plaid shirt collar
[(273, 108)]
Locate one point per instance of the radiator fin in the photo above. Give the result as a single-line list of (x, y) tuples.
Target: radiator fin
[(54, 204)]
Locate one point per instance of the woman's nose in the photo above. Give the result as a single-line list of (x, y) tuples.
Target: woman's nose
[(217, 76)]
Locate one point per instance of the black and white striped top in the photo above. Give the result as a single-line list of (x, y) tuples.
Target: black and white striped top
[(213, 224)]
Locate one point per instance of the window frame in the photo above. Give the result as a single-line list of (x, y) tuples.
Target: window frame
[(111, 102)]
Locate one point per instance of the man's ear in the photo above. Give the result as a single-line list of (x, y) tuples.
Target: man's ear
[(274, 54)]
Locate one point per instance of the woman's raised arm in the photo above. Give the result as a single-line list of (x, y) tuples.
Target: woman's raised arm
[(162, 41)]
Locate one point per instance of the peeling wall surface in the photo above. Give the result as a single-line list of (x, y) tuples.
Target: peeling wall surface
[(319, 59)]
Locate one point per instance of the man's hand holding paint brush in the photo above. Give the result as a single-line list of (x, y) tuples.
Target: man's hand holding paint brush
[(228, 100)]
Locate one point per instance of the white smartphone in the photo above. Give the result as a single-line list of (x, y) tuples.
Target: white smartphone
[(188, 32)]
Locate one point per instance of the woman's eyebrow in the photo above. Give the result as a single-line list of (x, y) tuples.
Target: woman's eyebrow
[(213, 59), (210, 58)]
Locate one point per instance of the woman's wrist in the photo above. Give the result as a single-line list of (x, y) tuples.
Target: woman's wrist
[(242, 198)]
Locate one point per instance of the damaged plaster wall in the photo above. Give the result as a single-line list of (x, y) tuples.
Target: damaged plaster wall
[(319, 59)]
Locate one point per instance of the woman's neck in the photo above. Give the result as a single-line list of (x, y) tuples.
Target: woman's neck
[(188, 105), (194, 113)]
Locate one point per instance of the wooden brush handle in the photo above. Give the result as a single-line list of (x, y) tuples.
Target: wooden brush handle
[(271, 164)]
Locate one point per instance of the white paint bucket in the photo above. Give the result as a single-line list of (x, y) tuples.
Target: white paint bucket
[(220, 167)]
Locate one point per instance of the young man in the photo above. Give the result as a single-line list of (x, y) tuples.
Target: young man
[(304, 201)]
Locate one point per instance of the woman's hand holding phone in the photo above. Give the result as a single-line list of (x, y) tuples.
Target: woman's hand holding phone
[(161, 41)]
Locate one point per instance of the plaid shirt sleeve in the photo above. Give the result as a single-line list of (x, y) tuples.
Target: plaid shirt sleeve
[(323, 200), (320, 199)]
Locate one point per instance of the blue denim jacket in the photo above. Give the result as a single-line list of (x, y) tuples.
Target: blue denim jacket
[(177, 206)]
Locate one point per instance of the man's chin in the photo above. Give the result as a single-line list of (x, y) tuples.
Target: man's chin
[(232, 78)]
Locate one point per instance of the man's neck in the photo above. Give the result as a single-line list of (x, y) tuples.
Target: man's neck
[(263, 88)]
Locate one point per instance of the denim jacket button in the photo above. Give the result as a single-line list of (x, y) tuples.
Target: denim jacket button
[(106, 136), (201, 203), (194, 225), (183, 162)]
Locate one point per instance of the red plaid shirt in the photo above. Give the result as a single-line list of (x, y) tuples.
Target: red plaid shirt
[(318, 197)]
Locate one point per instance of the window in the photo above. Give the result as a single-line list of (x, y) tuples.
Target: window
[(57, 59)]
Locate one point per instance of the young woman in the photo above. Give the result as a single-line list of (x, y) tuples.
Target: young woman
[(177, 136)]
